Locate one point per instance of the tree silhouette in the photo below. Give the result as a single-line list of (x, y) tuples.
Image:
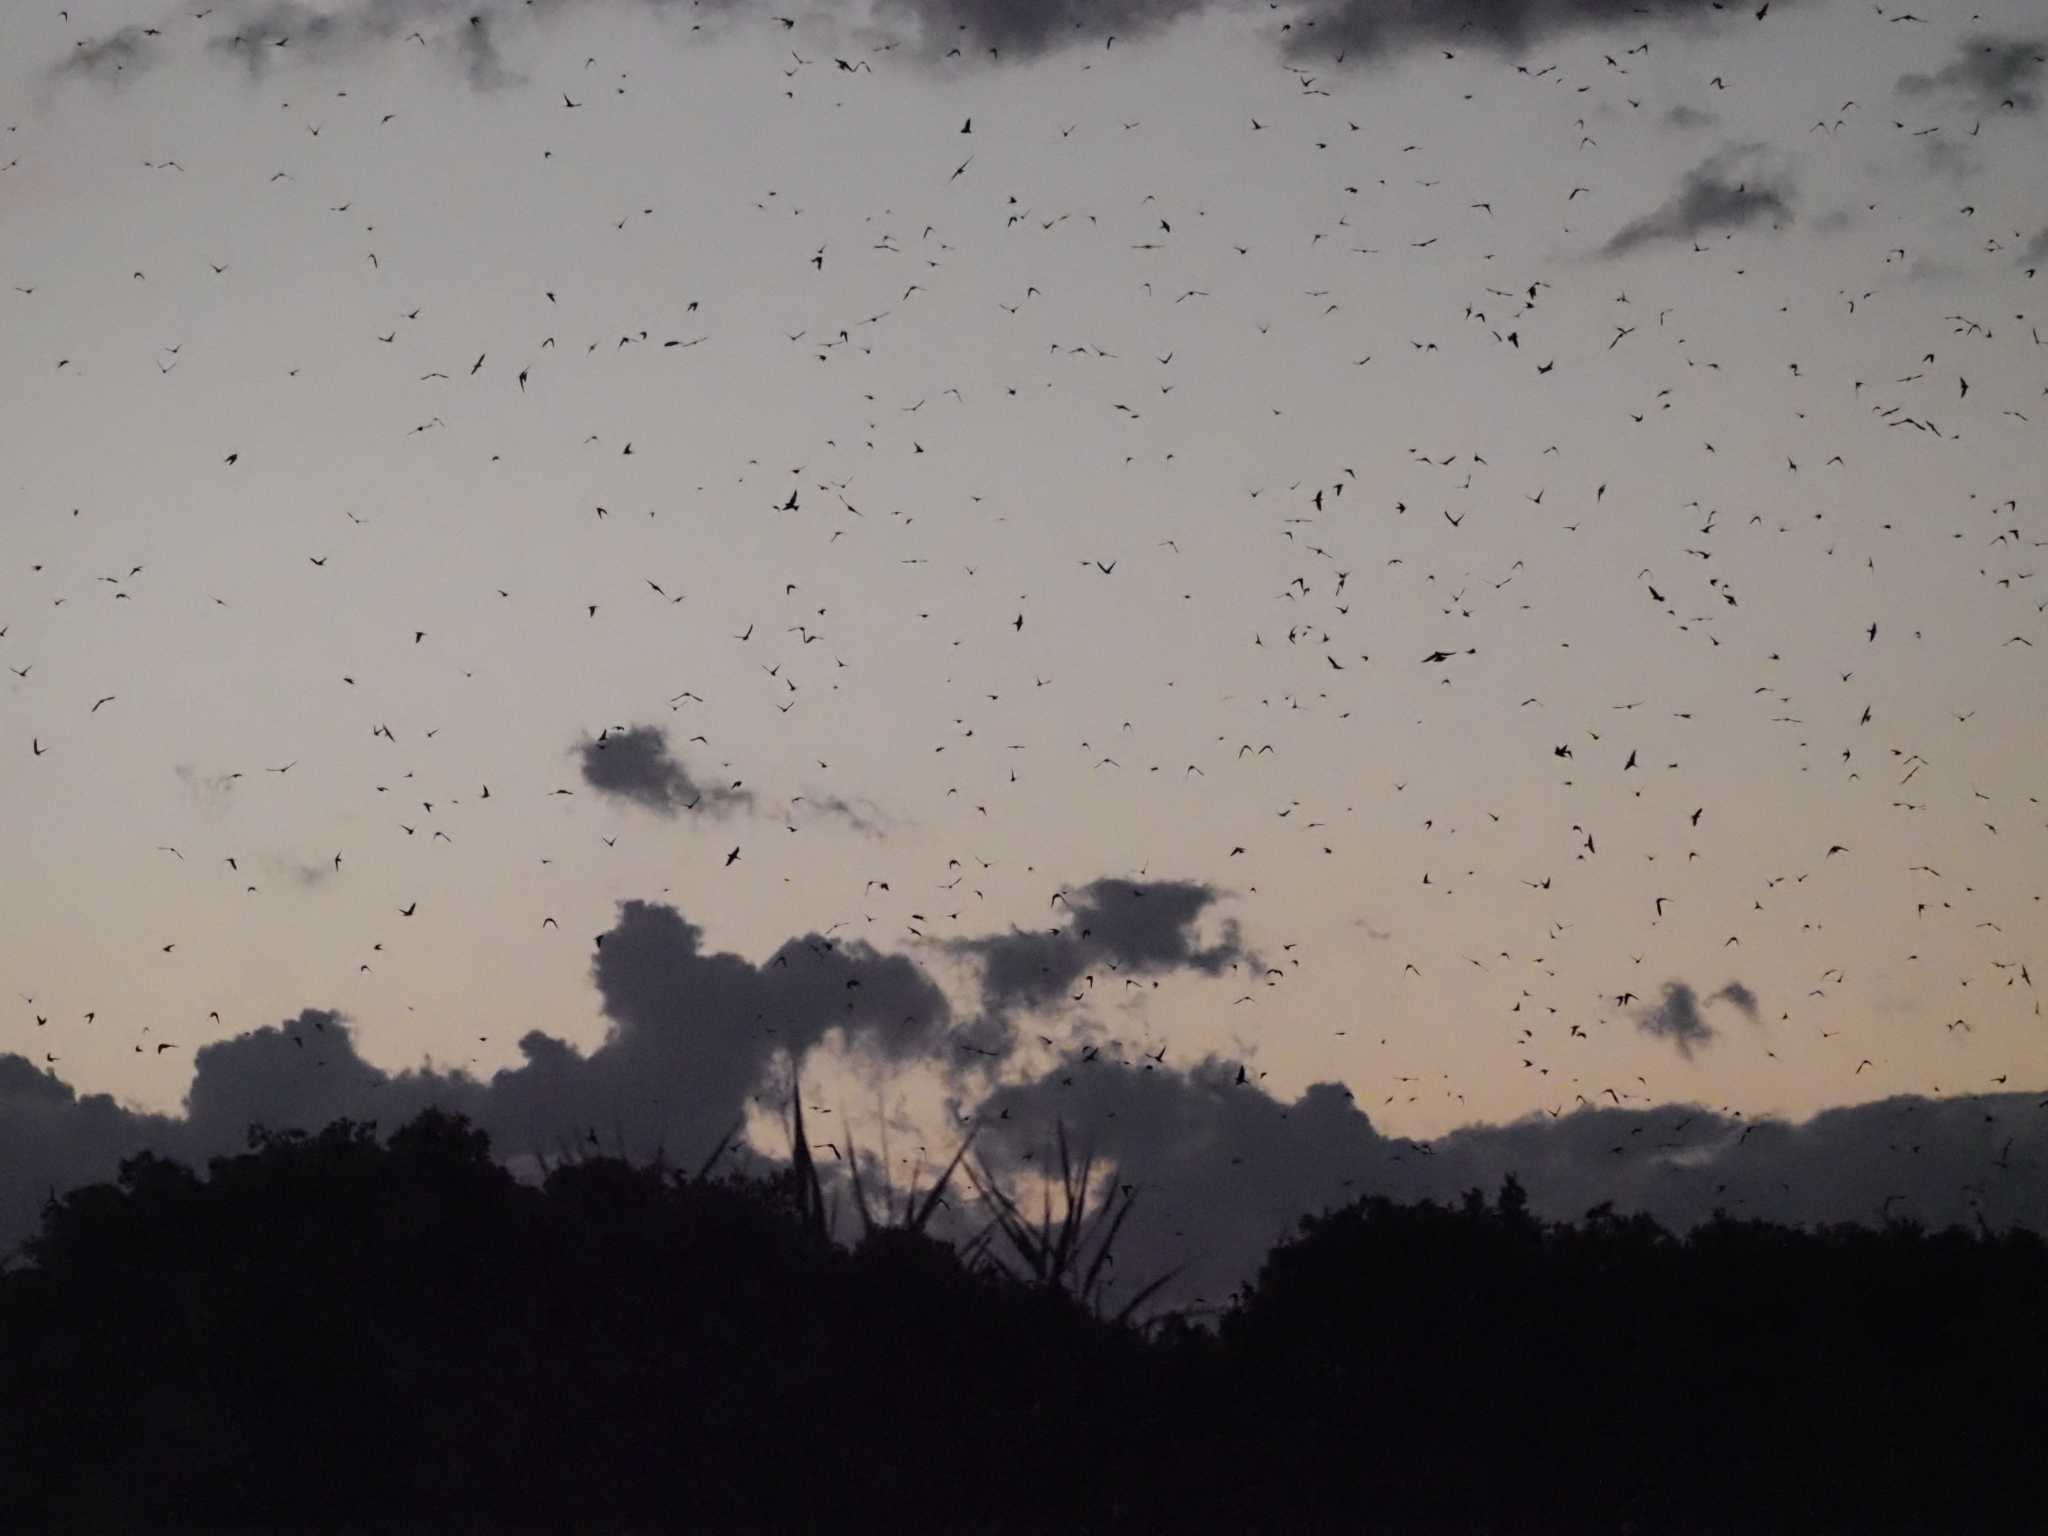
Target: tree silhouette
[(333, 1332)]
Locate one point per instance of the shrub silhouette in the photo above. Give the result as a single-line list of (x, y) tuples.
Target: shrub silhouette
[(337, 1333)]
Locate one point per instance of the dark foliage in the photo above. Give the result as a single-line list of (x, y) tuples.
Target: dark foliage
[(337, 1333)]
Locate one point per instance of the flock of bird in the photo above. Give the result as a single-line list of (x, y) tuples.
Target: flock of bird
[(1517, 724)]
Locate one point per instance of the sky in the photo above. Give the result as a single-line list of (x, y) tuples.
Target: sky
[(1339, 597)]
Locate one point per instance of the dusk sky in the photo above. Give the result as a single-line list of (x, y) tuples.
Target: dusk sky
[(1480, 557)]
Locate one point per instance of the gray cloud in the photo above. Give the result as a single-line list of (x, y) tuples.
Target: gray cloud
[(1950, 158), (52, 1139), (303, 875), (1138, 927), (1948, 1160), (304, 1072), (210, 790), (1716, 194), (1677, 1017), (1365, 29), (299, 1073), (1683, 116), (693, 1035), (1024, 28), (480, 60), (1988, 74), (1223, 1170), (130, 49), (262, 33), (1735, 992), (261, 36), (705, 1027), (635, 765), (864, 816), (2035, 251)]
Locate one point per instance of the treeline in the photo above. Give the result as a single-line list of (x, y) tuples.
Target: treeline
[(341, 1333)]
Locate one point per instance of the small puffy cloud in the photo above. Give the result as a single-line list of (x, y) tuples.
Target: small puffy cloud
[(635, 765), (1725, 191), (1683, 116), (1139, 926), (1677, 1018), (1735, 992)]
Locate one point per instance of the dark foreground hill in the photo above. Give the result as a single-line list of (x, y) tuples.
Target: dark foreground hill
[(337, 1333)]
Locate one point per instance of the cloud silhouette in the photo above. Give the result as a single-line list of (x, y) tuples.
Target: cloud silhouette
[(2035, 251), (1988, 74), (1735, 992), (1222, 1169), (713, 1021), (1683, 116), (52, 1140), (635, 765), (1677, 1017), (1142, 927), (1715, 194), (693, 1036)]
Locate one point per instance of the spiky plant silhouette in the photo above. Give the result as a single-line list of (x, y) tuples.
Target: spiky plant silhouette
[(1071, 1254)]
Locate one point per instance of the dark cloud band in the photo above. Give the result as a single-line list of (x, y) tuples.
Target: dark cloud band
[(259, 37)]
